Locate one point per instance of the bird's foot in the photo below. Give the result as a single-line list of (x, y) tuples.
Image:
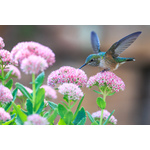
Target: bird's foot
[(105, 70)]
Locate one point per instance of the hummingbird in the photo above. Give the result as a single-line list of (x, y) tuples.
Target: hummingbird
[(110, 59)]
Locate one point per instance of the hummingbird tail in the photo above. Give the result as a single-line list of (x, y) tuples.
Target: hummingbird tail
[(130, 59)]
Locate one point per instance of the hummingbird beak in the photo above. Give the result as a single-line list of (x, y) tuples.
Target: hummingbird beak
[(83, 65)]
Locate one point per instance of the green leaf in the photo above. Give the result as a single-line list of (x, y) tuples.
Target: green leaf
[(82, 122), (11, 121), (111, 94), (107, 120), (29, 107), (9, 84), (39, 101), (8, 105), (81, 114), (101, 103), (61, 122), (8, 74), (62, 110), (65, 98), (73, 104), (21, 116), (78, 107), (39, 80), (47, 114), (53, 116), (1, 78), (23, 90), (97, 92), (65, 104), (52, 105), (94, 123), (90, 117), (68, 117)]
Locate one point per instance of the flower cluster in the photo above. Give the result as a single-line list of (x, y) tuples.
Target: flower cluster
[(5, 94), (2, 44), (71, 90), (67, 74), (24, 49), (50, 93), (105, 116), (33, 64), (36, 119), (6, 58), (109, 78), (15, 72), (4, 115)]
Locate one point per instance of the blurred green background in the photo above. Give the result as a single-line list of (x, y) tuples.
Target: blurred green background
[(71, 45)]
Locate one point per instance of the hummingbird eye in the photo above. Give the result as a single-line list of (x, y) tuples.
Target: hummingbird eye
[(92, 59)]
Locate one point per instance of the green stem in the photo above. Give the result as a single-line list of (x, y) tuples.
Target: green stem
[(69, 104), (33, 88), (2, 70), (101, 118), (104, 98)]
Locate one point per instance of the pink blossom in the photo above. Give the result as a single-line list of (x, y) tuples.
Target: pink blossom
[(105, 116), (19, 94), (67, 74), (50, 93), (109, 78), (71, 90), (33, 64), (2, 44), (6, 58), (4, 115), (15, 72), (5, 94), (24, 49), (36, 119)]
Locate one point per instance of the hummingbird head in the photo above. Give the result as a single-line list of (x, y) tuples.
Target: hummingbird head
[(92, 60)]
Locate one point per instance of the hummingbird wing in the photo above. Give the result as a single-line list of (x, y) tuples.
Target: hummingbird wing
[(95, 42), (117, 48)]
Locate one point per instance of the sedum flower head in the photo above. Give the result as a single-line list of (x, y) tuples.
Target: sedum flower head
[(36, 119), (108, 78), (2, 44), (4, 115), (71, 90), (33, 64), (67, 74), (15, 72), (5, 94), (24, 49), (106, 114), (6, 58), (50, 93)]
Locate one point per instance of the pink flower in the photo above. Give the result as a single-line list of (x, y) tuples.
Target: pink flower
[(24, 49), (67, 74), (71, 90), (5, 94), (105, 116), (19, 94), (15, 72), (6, 58), (33, 64), (4, 115), (50, 93), (36, 119), (2, 44), (109, 78)]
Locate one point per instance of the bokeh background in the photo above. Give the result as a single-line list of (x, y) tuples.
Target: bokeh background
[(71, 45)]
